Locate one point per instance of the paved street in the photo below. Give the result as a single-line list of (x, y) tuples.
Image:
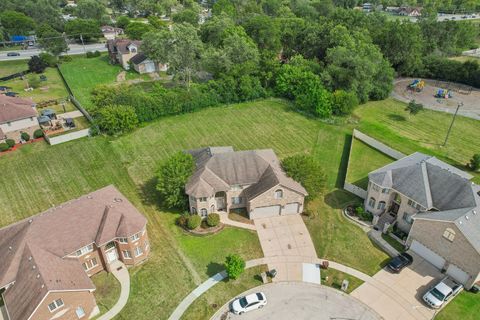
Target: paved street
[(74, 49), (288, 301)]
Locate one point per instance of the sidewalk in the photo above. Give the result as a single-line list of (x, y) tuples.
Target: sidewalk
[(225, 220), (119, 271)]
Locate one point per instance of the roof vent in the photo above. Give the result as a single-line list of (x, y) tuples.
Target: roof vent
[(466, 217), (474, 212), (43, 285), (30, 258), (117, 200), (460, 222), (38, 276), (34, 267), (89, 197), (10, 248), (30, 221)]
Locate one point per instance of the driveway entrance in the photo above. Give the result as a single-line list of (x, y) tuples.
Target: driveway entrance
[(285, 236), (400, 297)]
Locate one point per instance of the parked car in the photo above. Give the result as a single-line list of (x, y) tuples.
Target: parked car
[(248, 303), (399, 262), (13, 54), (442, 292)]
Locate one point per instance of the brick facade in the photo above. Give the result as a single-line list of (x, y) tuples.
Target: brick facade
[(72, 300), (268, 199)]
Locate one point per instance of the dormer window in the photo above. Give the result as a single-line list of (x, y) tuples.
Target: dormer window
[(55, 305), (449, 234), (279, 194)]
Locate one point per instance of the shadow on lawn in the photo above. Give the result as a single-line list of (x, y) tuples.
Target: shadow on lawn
[(150, 196), (342, 168), (213, 268), (396, 117)]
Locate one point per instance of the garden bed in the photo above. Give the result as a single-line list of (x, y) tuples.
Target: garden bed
[(358, 215), (204, 230)]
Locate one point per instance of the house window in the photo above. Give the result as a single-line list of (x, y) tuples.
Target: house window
[(279, 194), (386, 191), (80, 312), (236, 200), (55, 305), (371, 202), (449, 234), (381, 205), (203, 199), (90, 264), (138, 251), (418, 207), (407, 218), (135, 237), (84, 250), (203, 212), (123, 240), (194, 210), (126, 254), (375, 187)]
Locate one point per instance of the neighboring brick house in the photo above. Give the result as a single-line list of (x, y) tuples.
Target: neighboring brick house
[(127, 52), (437, 205), (47, 259), (226, 180), (17, 115)]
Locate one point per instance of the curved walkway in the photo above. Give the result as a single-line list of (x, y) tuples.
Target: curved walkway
[(119, 271), (226, 220)]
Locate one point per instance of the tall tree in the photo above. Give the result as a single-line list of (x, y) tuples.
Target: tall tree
[(16, 23), (136, 30), (90, 9), (86, 29), (51, 40)]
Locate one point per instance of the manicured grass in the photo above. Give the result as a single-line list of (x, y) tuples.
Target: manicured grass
[(84, 74), (10, 67), (394, 243), (52, 88), (205, 306), (465, 306), (107, 290), (334, 278), (364, 159), (388, 122)]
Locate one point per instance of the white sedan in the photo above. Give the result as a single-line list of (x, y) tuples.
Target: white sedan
[(248, 303)]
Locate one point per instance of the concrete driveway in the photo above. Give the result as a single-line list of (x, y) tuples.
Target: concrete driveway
[(399, 296), (285, 236), (288, 301)]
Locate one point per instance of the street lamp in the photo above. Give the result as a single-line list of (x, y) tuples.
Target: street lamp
[(451, 124)]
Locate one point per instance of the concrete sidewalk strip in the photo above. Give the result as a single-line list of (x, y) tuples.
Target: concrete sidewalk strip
[(311, 273), (119, 271)]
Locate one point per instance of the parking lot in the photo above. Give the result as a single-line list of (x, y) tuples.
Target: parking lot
[(399, 296), (296, 300)]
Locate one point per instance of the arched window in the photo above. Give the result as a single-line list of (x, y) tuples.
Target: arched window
[(212, 209), (278, 194), (449, 234), (371, 202), (203, 212), (381, 205), (194, 210)]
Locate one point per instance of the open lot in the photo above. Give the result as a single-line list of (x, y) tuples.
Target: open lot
[(38, 176)]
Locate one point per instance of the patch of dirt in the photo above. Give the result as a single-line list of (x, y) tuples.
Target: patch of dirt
[(460, 94), (121, 76)]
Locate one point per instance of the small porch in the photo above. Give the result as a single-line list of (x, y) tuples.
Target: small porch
[(387, 217)]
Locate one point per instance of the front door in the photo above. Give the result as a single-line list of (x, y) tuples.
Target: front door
[(220, 203), (111, 255)]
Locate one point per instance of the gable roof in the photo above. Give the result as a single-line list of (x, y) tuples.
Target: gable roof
[(15, 108), (68, 227), (138, 58), (219, 168), (121, 45), (428, 181)]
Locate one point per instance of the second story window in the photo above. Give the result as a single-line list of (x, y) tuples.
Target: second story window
[(138, 251), (449, 234), (126, 254), (84, 250), (123, 240), (135, 237), (278, 194), (381, 205), (371, 202), (55, 305), (203, 199)]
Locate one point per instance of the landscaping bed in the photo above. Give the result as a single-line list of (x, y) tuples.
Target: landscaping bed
[(394, 243)]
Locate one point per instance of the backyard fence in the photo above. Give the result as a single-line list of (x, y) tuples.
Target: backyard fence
[(67, 137), (13, 76), (377, 145), (355, 190)]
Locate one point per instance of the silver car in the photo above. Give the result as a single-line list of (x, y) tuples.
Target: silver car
[(248, 303)]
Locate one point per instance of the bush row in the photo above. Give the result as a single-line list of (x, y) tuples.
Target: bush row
[(193, 221), (439, 68)]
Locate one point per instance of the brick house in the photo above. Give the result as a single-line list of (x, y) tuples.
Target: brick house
[(437, 205), (225, 179), (17, 115), (47, 259), (127, 53)]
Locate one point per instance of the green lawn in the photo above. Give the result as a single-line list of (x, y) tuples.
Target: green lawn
[(178, 263), (10, 67), (334, 278), (364, 159), (84, 74), (394, 243), (107, 290), (465, 306), (205, 306)]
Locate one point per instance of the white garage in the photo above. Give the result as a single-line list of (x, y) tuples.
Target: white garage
[(457, 274), (265, 212), (427, 254), (291, 208)]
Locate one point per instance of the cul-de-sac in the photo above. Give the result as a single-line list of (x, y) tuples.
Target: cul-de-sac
[(239, 159)]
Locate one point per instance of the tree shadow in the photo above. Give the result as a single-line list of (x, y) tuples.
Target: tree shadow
[(213, 268), (342, 169), (149, 193), (339, 198), (396, 117)]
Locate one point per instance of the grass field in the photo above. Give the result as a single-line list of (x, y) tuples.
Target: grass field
[(465, 306), (364, 159), (178, 263), (84, 74), (10, 67), (334, 278), (107, 292)]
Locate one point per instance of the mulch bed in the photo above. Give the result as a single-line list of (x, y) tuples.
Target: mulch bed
[(19, 145), (205, 231)]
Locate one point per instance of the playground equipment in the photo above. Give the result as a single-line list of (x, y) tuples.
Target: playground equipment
[(416, 85), (443, 94)]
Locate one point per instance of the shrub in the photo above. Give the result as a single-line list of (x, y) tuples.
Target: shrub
[(10, 143), (343, 102), (363, 215), (213, 219), (66, 58), (38, 133), (193, 221), (475, 162), (308, 171), (116, 119), (48, 59), (34, 81), (25, 136), (182, 220), (37, 65), (93, 54), (172, 175), (4, 147), (234, 266)]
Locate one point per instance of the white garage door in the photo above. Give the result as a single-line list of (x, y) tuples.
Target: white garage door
[(427, 254), (457, 274), (265, 212), (291, 208)]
